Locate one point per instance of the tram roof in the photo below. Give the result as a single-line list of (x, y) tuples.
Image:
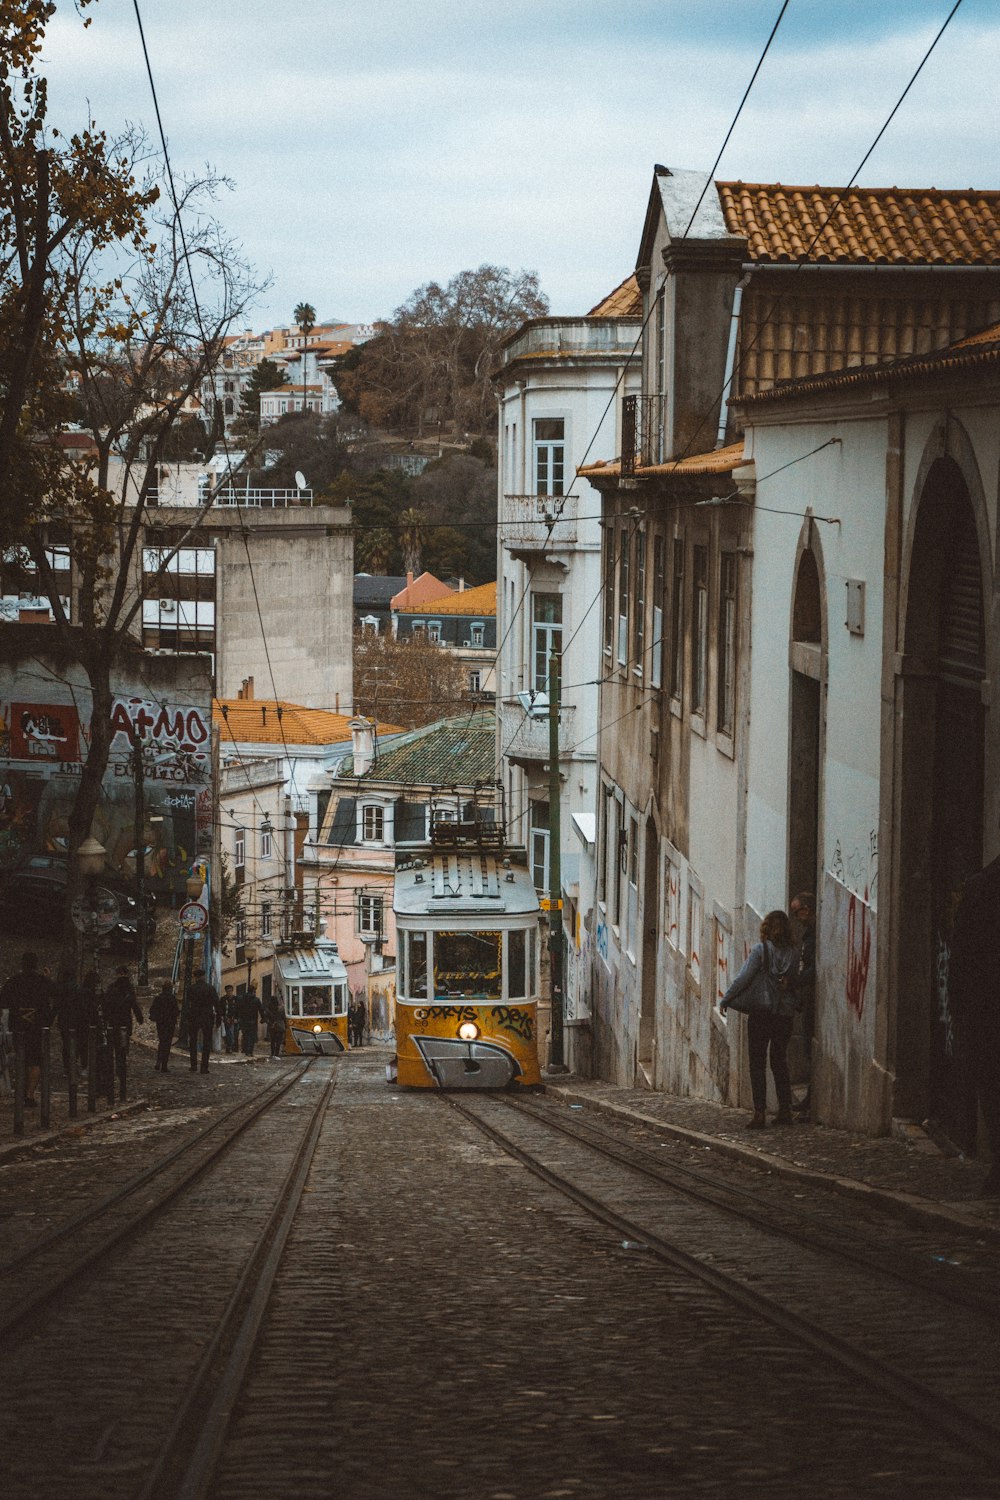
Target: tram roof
[(318, 962), (442, 884)]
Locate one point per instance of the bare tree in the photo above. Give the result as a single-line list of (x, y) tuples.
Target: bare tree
[(408, 683)]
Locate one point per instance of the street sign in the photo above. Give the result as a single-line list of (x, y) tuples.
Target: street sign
[(193, 916)]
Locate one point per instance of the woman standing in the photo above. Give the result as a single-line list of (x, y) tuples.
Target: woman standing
[(763, 988)]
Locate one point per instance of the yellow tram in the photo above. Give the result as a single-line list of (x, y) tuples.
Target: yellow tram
[(311, 984), (467, 960)]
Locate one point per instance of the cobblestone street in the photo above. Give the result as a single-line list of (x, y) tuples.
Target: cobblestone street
[(443, 1323)]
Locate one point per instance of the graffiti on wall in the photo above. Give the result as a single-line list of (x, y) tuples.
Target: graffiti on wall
[(858, 867), (859, 952)]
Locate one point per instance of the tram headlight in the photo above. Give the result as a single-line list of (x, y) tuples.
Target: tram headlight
[(318, 1030), (468, 1031)]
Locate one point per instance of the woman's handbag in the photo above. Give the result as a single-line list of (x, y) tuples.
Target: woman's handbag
[(761, 994)]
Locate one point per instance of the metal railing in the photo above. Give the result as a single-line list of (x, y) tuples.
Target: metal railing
[(643, 432)]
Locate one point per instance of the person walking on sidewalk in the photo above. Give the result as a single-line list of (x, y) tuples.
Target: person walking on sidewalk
[(770, 1009), (248, 1013), (274, 1015), (204, 1011), (229, 1018), (120, 1006), (164, 1012), (28, 999), (803, 986), (974, 995)]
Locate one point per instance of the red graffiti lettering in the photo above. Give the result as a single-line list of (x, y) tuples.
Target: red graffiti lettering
[(859, 952)]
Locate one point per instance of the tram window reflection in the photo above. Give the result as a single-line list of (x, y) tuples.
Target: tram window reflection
[(516, 989), (340, 999), (316, 1000), (416, 975), (467, 963)]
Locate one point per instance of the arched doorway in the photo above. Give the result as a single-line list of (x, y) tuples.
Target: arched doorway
[(942, 802)]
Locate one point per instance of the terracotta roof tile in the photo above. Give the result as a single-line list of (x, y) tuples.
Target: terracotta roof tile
[(254, 721), (478, 601), (624, 302), (891, 226), (718, 461)]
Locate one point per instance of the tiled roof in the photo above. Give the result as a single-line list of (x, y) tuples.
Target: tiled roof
[(376, 588), (718, 461), (478, 601), (424, 586), (624, 302), (452, 752), (893, 226), (977, 351), (255, 721)]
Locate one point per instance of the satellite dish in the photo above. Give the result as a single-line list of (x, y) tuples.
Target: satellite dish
[(300, 480)]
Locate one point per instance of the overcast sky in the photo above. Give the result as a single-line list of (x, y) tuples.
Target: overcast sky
[(376, 145)]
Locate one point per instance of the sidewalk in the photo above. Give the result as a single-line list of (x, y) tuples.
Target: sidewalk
[(905, 1174)]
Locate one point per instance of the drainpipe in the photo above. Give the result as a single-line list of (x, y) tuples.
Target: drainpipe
[(734, 328)]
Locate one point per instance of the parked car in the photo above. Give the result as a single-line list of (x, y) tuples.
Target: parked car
[(33, 899)]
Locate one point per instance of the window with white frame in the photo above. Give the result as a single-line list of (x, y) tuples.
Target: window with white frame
[(475, 681), (266, 840), (723, 954), (699, 631), (656, 645), (696, 912), (372, 823), (623, 571), (241, 929), (477, 634), (538, 844), (240, 849), (725, 708), (546, 636), (609, 590), (549, 434), (369, 914), (639, 604), (434, 631), (672, 900), (677, 621), (265, 919)]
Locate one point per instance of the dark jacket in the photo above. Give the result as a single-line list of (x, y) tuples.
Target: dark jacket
[(29, 998), (119, 1004), (204, 1008), (165, 1010), (781, 963), (248, 1012)]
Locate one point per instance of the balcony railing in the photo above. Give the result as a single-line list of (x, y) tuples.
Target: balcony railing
[(525, 737), (643, 432), (231, 496), (533, 523)]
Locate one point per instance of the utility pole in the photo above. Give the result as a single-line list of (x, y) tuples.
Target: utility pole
[(556, 1062)]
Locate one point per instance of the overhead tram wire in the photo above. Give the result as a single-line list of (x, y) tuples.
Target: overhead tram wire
[(632, 353), (803, 259), (777, 301), (201, 326)]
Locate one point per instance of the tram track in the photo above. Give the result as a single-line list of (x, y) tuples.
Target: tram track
[(43, 1284), (642, 1227), (193, 1282), (945, 1281)]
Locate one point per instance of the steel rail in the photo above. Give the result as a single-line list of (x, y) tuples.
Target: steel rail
[(961, 1427), (909, 1272), (14, 1319), (233, 1342)]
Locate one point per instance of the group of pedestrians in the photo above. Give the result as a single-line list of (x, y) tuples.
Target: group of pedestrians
[(35, 1001), (236, 1017), (777, 982)]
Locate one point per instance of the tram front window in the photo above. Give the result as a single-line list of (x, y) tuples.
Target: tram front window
[(316, 1000), (468, 963)]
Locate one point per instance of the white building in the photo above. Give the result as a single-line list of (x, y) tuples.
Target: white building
[(561, 382)]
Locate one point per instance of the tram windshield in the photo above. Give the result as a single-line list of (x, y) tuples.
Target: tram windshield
[(468, 963), (316, 1000)]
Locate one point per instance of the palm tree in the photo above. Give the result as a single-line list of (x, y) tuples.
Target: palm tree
[(305, 316), (411, 534)]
